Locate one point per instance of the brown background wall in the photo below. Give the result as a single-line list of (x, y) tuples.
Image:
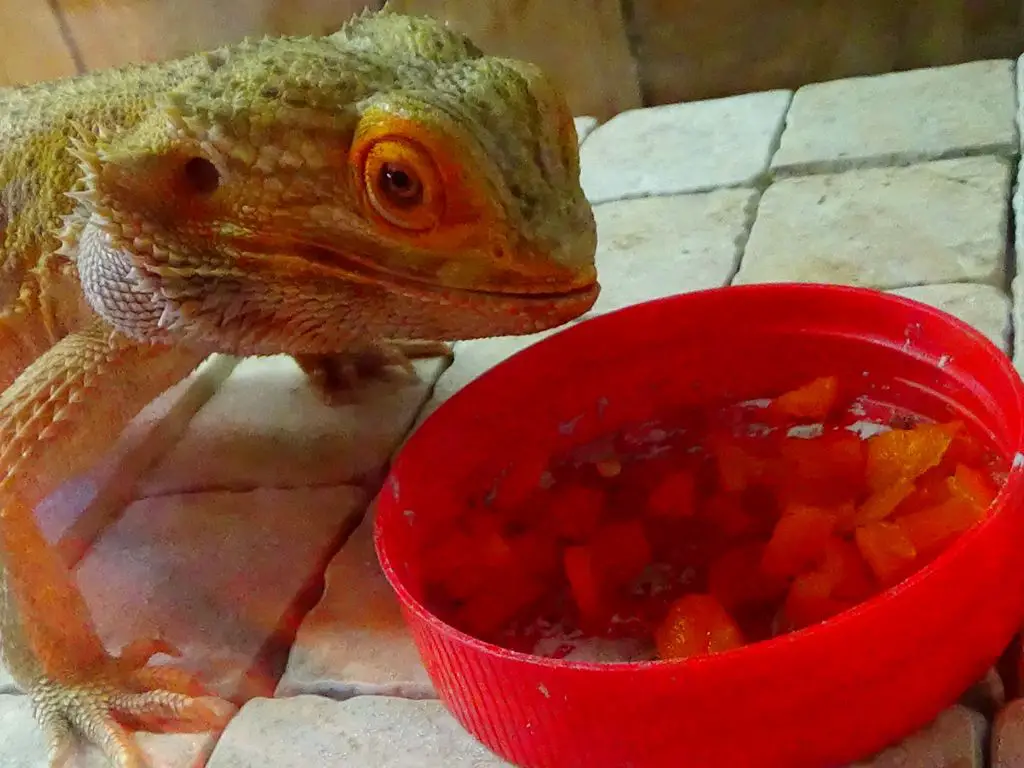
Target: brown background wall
[(609, 55)]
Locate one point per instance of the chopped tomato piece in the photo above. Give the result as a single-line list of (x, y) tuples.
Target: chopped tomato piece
[(454, 564), (674, 496), (696, 625), (575, 511), (535, 552), (813, 401), (718, 530), (726, 512), (584, 580), (621, 551), (971, 486), (798, 541), (821, 471), (905, 454), (735, 578), (931, 528), (887, 549), (487, 612)]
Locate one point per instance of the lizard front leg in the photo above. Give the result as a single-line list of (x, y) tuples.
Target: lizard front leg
[(336, 378), (61, 413)]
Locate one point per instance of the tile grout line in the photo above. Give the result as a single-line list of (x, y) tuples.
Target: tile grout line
[(761, 185), (1012, 225)]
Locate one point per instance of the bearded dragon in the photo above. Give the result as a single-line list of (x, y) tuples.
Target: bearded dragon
[(358, 196)]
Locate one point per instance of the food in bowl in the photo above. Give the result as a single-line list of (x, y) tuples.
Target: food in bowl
[(710, 529)]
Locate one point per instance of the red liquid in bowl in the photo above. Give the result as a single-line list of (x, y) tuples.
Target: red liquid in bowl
[(823, 696)]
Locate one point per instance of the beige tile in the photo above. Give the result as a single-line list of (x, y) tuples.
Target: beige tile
[(884, 228), (984, 307), (266, 427), (659, 246), (900, 118), (377, 731), (955, 739), (355, 641), (473, 359), (675, 148), (1008, 736), (23, 745), (214, 574)]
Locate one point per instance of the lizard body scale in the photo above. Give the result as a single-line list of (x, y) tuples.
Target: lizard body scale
[(319, 197)]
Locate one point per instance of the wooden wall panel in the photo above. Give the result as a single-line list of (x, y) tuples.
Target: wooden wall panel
[(115, 32), (582, 44), (608, 55), (722, 47), (707, 48), (31, 45)]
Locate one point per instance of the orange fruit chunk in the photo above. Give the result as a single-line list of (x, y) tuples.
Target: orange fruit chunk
[(905, 454), (812, 401), (846, 569), (674, 496), (883, 503), (887, 549), (810, 601), (931, 528), (971, 486), (738, 469), (798, 541), (931, 489), (696, 625)]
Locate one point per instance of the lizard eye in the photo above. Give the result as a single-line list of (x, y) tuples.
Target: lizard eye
[(402, 185)]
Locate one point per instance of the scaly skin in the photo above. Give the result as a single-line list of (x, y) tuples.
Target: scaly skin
[(364, 195)]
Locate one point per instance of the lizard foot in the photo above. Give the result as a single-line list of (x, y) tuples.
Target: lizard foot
[(125, 695), (337, 379)]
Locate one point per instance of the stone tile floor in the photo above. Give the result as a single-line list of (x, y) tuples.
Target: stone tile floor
[(258, 496)]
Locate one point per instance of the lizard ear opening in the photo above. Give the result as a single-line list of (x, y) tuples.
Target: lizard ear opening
[(201, 176)]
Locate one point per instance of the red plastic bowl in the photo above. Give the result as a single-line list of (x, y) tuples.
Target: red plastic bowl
[(824, 696)]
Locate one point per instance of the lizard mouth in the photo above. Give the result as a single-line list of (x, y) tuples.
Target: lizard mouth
[(583, 289)]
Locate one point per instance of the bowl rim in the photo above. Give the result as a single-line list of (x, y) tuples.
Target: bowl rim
[(1014, 485)]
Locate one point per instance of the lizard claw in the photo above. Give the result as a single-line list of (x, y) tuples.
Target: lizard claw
[(337, 378), (101, 711)]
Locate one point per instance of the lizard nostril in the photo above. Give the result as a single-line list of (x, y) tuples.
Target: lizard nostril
[(201, 175)]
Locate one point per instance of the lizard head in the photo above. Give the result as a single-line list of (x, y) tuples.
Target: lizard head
[(299, 195)]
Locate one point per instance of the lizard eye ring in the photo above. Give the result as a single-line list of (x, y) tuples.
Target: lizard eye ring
[(403, 185)]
